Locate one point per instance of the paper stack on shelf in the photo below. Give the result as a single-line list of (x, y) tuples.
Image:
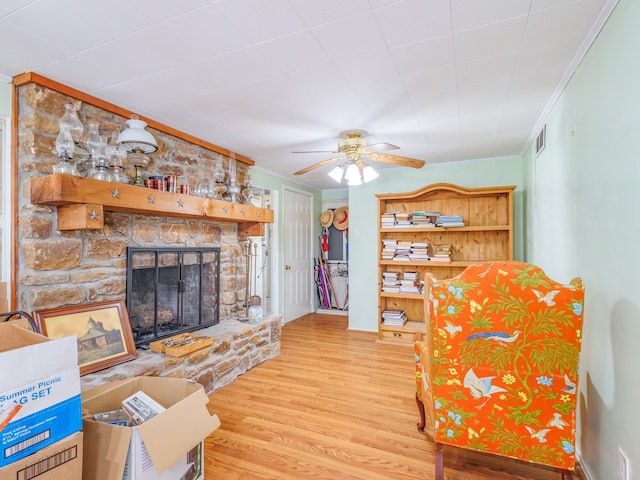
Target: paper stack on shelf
[(403, 220), (397, 318), (388, 220), (424, 219), (389, 247), (390, 282), (419, 252), (402, 252), (442, 253), (450, 221), (410, 283)]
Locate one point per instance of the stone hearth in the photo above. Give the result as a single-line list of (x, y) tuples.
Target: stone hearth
[(238, 347)]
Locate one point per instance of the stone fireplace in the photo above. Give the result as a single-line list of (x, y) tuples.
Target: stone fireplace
[(56, 268)]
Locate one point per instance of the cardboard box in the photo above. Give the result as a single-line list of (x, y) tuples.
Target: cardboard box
[(39, 391), (158, 447), (63, 459)]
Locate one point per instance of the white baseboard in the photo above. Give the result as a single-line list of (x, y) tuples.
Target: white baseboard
[(585, 468), (334, 311)]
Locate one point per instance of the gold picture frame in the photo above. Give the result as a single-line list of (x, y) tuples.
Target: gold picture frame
[(102, 329)]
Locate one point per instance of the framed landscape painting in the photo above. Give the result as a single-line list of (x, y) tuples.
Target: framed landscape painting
[(102, 330)]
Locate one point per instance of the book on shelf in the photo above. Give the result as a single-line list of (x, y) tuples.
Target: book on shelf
[(388, 220), (450, 221), (442, 249), (394, 317)]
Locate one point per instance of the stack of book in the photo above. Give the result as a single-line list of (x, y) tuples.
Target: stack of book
[(402, 252), (396, 318), (389, 247), (424, 219), (450, 221), (410, 283), (441, 253), (419, 252), (403, 220), (388, 220), (390, 282)]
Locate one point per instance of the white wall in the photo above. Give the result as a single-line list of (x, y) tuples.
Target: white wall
[(581, 219)]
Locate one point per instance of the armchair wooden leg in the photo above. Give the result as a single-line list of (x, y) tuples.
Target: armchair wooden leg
[(567, 475), (422, 423), (439, 461)]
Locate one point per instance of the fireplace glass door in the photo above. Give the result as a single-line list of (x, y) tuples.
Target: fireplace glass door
[(171, 291)]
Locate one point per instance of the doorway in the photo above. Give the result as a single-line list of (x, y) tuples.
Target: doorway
[(298, 253)]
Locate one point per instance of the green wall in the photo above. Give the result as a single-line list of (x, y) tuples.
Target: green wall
[(5, 99), (363, 220), (581, 220)]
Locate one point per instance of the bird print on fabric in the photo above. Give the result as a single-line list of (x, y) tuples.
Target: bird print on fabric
[(557, 421), (452, 329), (570, 387), (539, 435), (547, 297), (480, 387), (501, 337)]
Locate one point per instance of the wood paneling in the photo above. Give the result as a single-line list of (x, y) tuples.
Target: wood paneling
[(335, 405)]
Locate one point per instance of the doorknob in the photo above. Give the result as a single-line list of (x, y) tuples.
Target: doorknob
[(287, 267)]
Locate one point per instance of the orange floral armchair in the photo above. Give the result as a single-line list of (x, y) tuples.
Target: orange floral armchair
[(498, 369)]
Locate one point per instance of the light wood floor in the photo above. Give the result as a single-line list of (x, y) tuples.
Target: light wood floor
[(335, 405)]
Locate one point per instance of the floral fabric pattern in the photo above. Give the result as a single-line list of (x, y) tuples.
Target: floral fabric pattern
[(498, 370)]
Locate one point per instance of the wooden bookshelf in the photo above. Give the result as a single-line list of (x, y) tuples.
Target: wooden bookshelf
[(487, 235)]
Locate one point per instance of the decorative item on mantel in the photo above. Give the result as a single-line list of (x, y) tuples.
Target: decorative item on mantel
[(139, 143), (67, 141), (92, 143), (234, 188), (218, 175), (116, 153), (65, 148)]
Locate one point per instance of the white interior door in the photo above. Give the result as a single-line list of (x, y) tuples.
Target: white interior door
[(298, 254)]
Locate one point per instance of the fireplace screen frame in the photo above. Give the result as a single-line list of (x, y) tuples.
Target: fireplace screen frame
[(158, 253)]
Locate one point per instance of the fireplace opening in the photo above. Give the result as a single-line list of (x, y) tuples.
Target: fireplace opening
[(171, 291)]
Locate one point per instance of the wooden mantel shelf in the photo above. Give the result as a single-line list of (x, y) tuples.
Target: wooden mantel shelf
[(81, 201)]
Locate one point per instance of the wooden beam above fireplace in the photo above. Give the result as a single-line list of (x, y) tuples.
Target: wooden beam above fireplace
[(62, 190)]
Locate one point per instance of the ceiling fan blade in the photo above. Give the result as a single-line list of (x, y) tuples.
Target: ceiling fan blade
[(396, 160), (317, 165), (316, 151), (378, 147)]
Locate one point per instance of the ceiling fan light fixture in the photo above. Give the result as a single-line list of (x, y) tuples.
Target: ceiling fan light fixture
[(368, 174), (354, 181), (351, 172), (337, 174)]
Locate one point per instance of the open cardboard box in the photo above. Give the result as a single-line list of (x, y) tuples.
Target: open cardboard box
[(39, 391), (166, 438)]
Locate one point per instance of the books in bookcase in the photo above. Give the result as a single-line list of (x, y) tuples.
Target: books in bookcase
[(396, 318), (441, 253), (449, 221)]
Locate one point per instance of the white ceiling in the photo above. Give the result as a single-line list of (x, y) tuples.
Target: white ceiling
[(446, 80)]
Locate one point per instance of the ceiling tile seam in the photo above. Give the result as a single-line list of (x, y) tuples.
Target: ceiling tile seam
[(310, 28), (507, 95), (206, 59), (596, 27), (455, 69), (121, 37), (19, 9)]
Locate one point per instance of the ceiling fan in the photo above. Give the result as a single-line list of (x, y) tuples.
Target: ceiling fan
[(353, 150)]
